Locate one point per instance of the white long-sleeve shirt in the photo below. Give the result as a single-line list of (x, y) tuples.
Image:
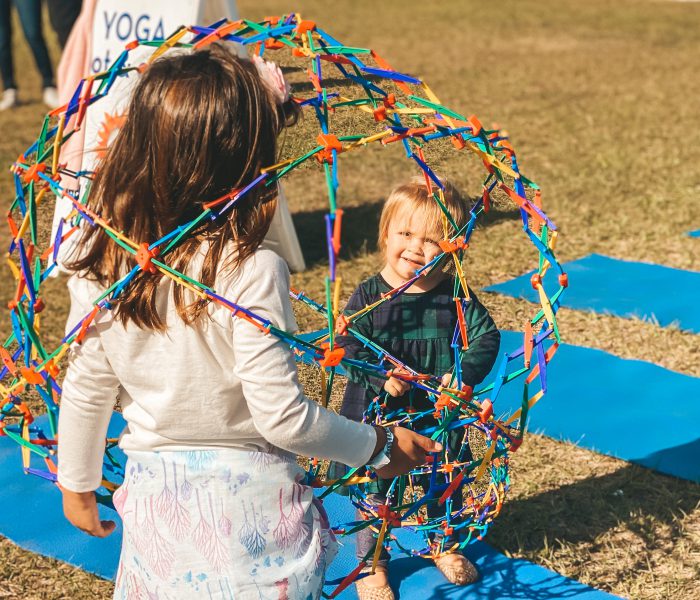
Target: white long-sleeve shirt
[(220, 383)]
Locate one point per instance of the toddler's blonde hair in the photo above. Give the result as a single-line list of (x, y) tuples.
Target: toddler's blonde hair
[(413, 196)]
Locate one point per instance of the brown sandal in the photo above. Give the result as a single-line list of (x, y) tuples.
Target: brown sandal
[(460, 573), (368, 592)]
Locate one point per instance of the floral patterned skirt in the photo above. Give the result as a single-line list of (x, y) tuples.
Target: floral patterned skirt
[(220, 524)]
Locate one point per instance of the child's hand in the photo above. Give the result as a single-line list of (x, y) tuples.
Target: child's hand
[(396, 387), (410, 450), (446, 379), (80, 508)]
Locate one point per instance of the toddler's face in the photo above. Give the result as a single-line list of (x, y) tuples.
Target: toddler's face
[(409, 246)]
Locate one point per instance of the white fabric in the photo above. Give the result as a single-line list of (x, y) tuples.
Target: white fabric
[(218, 384), (220, 525), (102, 31)]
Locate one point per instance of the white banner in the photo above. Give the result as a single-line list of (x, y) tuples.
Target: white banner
[(115, 24)]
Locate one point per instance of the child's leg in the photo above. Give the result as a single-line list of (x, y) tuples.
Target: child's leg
[(435, 511), (455, 566), (365, 540)]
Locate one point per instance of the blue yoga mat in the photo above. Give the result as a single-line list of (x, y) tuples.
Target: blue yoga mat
[(622, 288), (630, 409), (502, 578), (39, 526), (695, 233)]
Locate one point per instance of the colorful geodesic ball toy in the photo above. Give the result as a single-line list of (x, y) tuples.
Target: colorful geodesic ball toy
[(358, 101)]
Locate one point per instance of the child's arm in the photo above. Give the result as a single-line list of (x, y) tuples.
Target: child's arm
[(484, 341), (281, 412), (90, 390)]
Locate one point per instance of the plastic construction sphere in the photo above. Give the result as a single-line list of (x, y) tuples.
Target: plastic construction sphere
[(358, 100)]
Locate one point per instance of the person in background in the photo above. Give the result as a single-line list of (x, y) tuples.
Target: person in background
[(62, 14), (29, 12)]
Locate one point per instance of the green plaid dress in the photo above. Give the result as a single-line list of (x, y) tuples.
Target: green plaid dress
[(416, 328)]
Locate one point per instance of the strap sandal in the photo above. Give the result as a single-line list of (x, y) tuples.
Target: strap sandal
[(458, 572), (368, 592)]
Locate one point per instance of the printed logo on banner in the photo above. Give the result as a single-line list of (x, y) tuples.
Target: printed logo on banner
[(119, 22)]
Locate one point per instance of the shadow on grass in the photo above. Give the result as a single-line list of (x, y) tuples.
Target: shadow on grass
[(360, 228), (633, 497)]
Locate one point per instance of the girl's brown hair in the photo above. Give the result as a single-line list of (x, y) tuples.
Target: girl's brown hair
[(199, 124), (413, 196)]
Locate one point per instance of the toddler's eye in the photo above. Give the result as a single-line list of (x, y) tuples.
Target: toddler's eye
[(433, 242)]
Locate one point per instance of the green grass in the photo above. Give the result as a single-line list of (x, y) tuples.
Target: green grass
[(601, 101)]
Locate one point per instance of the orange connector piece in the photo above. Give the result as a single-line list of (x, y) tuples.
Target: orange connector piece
[(380, 113), (31, 376), (475, 125), (466, 393), (131, 45), (271, 44), (536, 281), (144, 256), (448, 246), (303, 27), (32, 173), (443, 401), (329, 142), (384, 513), (486, 411), (458, 141), (331, 358), (564, 280), (51, 368)]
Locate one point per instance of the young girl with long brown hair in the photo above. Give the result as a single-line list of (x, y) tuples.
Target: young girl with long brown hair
[(213, 503)]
